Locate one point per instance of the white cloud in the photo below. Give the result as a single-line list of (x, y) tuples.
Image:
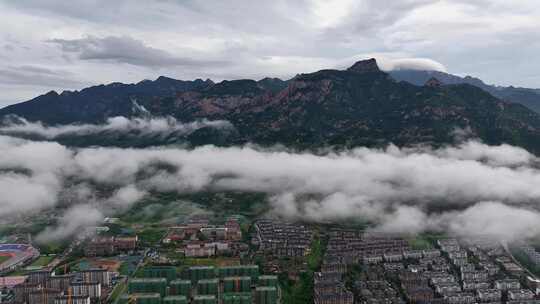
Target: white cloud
[(496, 221), (75, 220), (398, 189), (502, 155), (155, 126), (29, 179), (126, 196), (422, 64)]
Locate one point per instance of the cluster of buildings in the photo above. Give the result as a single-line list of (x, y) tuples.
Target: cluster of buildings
[(197, 238), (44, 287), (357, 267), (376, 289), (328, 288), (348, 247), (241, 284), (462, 276), (392, 272), (282, 239), (453, 274), (109, 245), (344, 249)]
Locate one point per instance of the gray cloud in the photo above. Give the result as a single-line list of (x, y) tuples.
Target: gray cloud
[(367, 17), (246, 39), (117, 12), (128, 50), (28, 75), (462, 189)]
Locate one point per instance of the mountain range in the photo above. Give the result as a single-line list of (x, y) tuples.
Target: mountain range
[(359, 106), (525, 96)]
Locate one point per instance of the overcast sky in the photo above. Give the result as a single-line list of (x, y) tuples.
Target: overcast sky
[(59, 44)]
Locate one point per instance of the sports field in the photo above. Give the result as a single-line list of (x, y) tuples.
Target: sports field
[(4, 258)]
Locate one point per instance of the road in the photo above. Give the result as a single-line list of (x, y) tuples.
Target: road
[(505, 246)]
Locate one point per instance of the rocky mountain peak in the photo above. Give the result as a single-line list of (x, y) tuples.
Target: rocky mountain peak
[(365, 66), (165, 79), (433, 82)]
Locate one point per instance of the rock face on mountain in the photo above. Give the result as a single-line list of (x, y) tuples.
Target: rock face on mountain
[(433, 82), (527, 97), (360, 106), (363, 66)]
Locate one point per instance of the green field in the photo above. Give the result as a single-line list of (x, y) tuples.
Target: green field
[(172, 208), (3, 258), (53, 247), (42, 261), (215, 261), (314, 258), (118, 290), (124, 269), (301, 292), (151, 236), (424, 240), (420, 244)]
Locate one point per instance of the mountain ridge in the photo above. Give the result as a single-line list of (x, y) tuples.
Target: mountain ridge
[(359, 106), (525, 96)]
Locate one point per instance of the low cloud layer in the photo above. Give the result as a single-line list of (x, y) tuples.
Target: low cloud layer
[(157, 126), (76, 219), (468, 190)]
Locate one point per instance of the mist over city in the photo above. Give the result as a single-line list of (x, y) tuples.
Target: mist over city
[(269, 152)]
